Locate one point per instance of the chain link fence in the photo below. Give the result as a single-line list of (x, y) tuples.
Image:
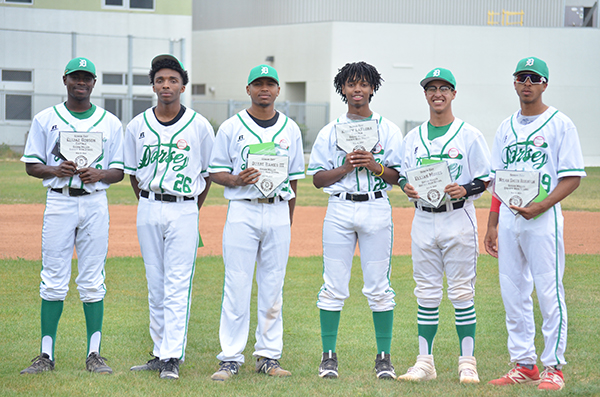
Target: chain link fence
[(310, 117), (17, 109)]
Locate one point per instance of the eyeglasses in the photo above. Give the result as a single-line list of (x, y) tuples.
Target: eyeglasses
[(431, 89), (533, 78)]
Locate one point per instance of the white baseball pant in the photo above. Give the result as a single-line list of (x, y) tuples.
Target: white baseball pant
[(81, 221), (445, 242), (531, 253), (168, 236), (254, 234), (369, 223)]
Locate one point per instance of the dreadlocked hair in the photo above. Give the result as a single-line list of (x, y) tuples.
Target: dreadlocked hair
[(168, 64), (354, 72)]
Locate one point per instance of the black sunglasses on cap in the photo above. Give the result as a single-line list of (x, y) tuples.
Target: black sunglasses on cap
[(533, 78)]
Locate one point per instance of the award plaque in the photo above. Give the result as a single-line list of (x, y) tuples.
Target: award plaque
[(430, 181), (82, 148), (361, 135), (273, 171), (517, 187)]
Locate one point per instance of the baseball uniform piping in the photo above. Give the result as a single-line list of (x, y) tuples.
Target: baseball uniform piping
[(189, 297), (168, 162), (248, 128), (158, 146), (556, 275)]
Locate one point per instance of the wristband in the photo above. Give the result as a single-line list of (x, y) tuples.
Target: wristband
[(475, 187), (402, 182), (382, 171), (495, 205)]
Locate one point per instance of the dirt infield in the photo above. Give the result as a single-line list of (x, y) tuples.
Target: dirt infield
[(21, 229)]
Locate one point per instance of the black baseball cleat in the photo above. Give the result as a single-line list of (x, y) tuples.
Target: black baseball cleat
[(41, 363), (95, 363), (329, 366), (152, 365), (383, 367), (170, 369)]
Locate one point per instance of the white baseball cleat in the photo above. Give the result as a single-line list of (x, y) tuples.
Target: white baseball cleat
[(467, 369), (424, 369)]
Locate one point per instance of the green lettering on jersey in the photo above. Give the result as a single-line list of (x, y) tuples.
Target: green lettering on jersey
[(166, 152), (525, 152)]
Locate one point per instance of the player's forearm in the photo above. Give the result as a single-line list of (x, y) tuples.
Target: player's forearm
[(292, 202), (493, 220), (134, 184), (329, 177), (204, 193), (42, 171), (112, 175), (390, 175), (223, 179), (565, 187)]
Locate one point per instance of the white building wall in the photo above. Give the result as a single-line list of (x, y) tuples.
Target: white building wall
[(40, 40), (482, 59), (222, 59)]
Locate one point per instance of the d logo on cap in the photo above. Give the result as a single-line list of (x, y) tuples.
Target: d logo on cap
[(529, 62), (264, 70), (436, 73), (82, 63)]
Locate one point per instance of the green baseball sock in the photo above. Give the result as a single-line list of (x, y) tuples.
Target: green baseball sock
[(466, 322), (94, 314), (51, 312), (384, 323), (427, 320), (330, 321)]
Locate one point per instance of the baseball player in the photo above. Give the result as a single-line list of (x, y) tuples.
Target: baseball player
[(76, 209), (358, 211), (257, 230), (530, 248), (444, 239), (166, 156)]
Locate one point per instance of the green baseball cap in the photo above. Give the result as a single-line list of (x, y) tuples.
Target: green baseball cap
[(166, 56), (80, 64), (532, 64), (263, 71), (439, 74)]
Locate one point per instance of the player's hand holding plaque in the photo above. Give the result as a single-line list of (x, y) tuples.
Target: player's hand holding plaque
[(430, 181), (517, 188), (273, 171), (360, 135), (82, 148)]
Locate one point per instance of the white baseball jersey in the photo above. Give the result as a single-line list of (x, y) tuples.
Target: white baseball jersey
[(549, 145), (325, 155), (169, 159), (161, 156), (256, 235), (44, 136), (531, 252), (463, 147), (232, 145)]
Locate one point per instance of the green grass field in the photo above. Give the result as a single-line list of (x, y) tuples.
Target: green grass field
[(126, 340)]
